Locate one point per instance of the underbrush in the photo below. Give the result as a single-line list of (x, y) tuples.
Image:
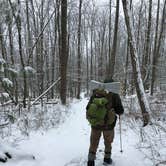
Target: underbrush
[(152, 137), (17, 122)]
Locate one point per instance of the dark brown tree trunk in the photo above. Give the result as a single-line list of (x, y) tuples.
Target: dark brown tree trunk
[(15, 81), (59, 33), (139, 25), (11, 41), (2, 45), (18, 24), (91, 57), (29, 41), (101, 49), (109, 39), (53, 63), (126, 67), (114, 45), (146, 56), (63, 53), (79, 52)]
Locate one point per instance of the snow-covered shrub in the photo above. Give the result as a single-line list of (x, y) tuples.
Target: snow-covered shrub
[(13, 72), (152, 138), (7, 83), (4, 97), (29, 71), (2, 62)]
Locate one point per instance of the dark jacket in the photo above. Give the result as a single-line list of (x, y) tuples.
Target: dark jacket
[(114, 103)]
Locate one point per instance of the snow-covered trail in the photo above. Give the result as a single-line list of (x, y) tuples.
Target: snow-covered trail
[(71, 141)]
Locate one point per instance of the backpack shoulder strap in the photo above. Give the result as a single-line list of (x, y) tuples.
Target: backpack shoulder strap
[(110, 101)]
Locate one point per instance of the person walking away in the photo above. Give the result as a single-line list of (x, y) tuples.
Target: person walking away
[(101, 112)]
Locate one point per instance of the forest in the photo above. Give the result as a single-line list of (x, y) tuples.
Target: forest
[(50, 50)]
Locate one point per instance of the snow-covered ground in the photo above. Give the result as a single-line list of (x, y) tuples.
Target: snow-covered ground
[(69, 143)]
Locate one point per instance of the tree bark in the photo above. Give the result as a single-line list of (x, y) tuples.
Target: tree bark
[(146, 56), (79, 52), (143, 102), (63, 53), (2, 44), (18, 24), (114, 45), (156, 51), (53, 64), (109, 39)]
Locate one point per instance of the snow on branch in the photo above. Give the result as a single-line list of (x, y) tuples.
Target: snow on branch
[(6, 82), (30, 70), (4, 95), (145, 108), (2, 61), (13, 71)]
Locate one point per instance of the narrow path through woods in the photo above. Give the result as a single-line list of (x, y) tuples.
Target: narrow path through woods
[(70, 142)]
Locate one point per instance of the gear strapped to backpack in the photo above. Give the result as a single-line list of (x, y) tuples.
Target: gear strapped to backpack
[(99, 112)]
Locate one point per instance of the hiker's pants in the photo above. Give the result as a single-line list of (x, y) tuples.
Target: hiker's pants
[(108, 136)]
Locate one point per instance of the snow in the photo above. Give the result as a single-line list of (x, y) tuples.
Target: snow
[(5, 95), (7, 82), (2, 61), (13, 71), (135, 61), (29, 69), (70, 141)]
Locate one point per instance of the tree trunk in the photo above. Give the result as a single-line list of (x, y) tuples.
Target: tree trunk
[(156, 51), (2, 45), (143, 102), (18, 24), (54, 51), (126, 67), (146, 56), (109, 39), (79, 53), (114, 46), (11, 40), (87, 56), (63, 53), (29, 41), (91, 48), (139, 25), (101, 49)]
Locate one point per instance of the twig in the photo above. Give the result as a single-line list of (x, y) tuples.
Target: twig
[(46, 91)]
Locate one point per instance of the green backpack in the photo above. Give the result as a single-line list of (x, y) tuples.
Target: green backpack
[(97, 111)]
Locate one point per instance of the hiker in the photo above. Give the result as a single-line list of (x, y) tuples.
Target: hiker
[(109, 103)]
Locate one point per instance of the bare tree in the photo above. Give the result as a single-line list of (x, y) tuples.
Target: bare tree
[(18, 24), (101, 42), (79, 52), (143, 102), (146, 55), (54, 45), (63, 53), (114, 45), (109, 38), (158, 40), (2, 44)]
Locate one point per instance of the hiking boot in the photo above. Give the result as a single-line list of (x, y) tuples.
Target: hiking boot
[(91, 163), (107, 161)]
